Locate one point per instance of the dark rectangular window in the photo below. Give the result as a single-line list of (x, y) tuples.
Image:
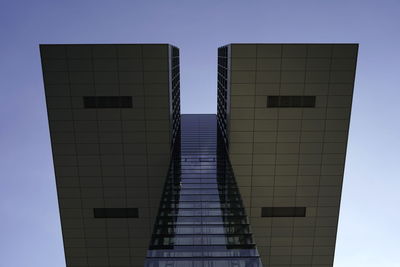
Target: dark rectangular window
[(107, 101), (116, 213), (291, 101), (283, 212)]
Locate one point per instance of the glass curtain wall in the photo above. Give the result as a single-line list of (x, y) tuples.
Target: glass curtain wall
[(201, 219)]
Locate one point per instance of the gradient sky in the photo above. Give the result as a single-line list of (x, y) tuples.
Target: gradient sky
[(369, 227)]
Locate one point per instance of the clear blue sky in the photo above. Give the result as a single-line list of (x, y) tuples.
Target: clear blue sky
[(30, 234)]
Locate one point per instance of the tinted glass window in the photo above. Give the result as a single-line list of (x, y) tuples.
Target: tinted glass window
[(107, 101), (291, 101), (116, 213), (283, 212)]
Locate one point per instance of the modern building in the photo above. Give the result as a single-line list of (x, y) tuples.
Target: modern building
[(258, 184), (201, 220), (114, 115), (284, 111)]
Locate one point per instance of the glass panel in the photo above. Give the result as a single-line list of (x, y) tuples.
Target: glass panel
[(201, 220)]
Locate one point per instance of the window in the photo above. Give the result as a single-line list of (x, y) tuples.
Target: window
[(107, 101), (291, 102), (116, 213), (283, 212)]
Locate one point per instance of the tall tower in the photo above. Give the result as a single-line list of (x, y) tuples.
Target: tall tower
[(284, 111), (201, 219), (114, 115), (257, 183)]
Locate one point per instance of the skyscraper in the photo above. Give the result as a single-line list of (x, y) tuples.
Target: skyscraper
[(284, 110), (259, 181), (114, 114), (201, 220)]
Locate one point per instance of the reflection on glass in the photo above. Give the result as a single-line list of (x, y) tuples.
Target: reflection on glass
[(201, 219)]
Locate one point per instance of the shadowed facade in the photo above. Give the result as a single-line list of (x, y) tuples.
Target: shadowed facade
[(260, 181)]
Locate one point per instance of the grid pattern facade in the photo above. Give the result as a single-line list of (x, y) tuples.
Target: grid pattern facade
[(223, 97), (175, 97), (110, 158), (291, 157), (201, 220)]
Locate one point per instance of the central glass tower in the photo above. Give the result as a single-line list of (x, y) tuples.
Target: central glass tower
[(201, 219)]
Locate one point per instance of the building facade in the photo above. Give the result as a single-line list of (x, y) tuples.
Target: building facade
[(284, 112), (114, 115), (257, 184), (201, 219)]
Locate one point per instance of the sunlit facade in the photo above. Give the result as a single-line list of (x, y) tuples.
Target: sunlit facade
[(284, 111)]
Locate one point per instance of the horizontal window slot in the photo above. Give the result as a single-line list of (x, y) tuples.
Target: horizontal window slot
[(291, 101), (107, 101), (283, 212), (116, 212)]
